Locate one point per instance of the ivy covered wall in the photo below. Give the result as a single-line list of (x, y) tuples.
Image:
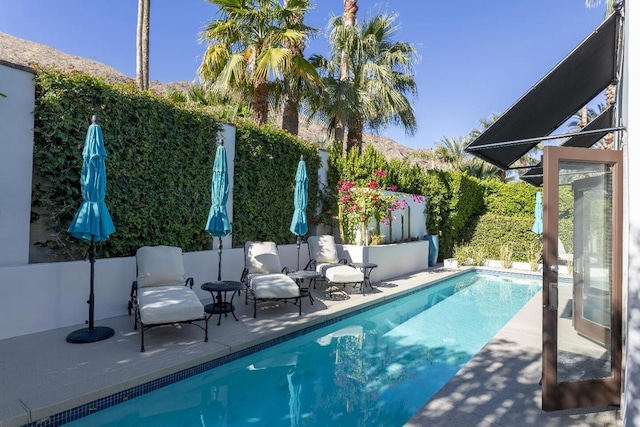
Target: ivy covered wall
[(158, 169)]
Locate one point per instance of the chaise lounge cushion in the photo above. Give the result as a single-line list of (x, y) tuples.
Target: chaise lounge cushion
[(168, 304), (340, 273), (323, 249), (262, 258), (160, 266), (273, 286)]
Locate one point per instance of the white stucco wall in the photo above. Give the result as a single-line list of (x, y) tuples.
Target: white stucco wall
[(40, 297), (631, 114), (16, 143)]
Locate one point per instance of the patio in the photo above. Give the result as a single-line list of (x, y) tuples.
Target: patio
[(43, 375)]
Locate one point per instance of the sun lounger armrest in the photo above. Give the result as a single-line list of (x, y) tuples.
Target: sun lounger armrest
[(243, 277), (311, 265), (189, 282), (134, 288), (343, 261), (285, 270)]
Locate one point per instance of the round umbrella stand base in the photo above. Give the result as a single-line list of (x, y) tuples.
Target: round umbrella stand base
[(86, 335)]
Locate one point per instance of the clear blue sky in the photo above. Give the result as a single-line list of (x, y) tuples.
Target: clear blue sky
[(477, 57)]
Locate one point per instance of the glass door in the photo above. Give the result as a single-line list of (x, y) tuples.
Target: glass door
[(582, 346)]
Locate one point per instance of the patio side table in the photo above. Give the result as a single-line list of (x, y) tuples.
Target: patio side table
[(300, 276), (366, 268), (220, 304)]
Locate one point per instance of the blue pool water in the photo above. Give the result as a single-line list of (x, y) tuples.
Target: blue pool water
[(376, 368)]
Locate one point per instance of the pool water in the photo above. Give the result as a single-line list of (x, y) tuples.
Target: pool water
[(376, 368)]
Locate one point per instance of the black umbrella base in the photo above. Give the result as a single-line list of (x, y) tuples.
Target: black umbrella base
[(86, 335)]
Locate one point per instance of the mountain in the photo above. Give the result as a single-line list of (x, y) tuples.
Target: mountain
[(27, 53)]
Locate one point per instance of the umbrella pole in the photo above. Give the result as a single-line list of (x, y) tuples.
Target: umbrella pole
[(298, 247), (92, 261), (90, 334), (219, 259)]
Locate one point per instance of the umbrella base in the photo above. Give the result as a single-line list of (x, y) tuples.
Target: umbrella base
[(86, 335)]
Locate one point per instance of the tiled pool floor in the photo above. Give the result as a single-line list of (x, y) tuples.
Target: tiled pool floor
[(42, 375)]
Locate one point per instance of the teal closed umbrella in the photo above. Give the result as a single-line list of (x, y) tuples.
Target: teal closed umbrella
[(92, 222), (537, 223), (218, 222), (299, 225)]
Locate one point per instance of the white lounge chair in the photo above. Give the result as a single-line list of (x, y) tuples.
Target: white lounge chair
[(265, 278), (161, 293), (323, 258)]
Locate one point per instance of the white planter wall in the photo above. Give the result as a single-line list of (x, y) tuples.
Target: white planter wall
[(16, 143), (393, 260)]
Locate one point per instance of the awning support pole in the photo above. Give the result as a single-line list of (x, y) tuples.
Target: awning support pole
[(541, 138)]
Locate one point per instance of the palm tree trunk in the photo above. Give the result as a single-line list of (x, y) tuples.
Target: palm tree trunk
[(610, 99), (260, 102), (584, 117), (354, 136), (142, 45), (349, 19), (145, 44), (139, 80), (290, 122)]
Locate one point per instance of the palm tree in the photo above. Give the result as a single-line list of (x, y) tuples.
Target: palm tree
[(450, 152), (301, 71), (246, 56), (379, 81), (227, 108), (142, 45), (349, 20)]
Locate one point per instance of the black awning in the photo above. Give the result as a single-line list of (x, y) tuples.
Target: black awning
[(603, 121), (576, 80)]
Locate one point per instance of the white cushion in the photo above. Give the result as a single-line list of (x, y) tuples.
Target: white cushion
[(160, 266), (340, 273), (323, 249), (168, 304), (273, 286), (262, 257)]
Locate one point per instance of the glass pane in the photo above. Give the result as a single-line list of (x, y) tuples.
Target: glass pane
[(585, 283)]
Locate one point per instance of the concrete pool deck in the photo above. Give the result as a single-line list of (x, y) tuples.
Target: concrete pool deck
[(42, 375)]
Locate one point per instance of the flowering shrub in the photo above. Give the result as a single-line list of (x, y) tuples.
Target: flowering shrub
[(360, 205)]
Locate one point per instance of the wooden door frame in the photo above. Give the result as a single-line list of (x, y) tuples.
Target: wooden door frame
[(594, 392)]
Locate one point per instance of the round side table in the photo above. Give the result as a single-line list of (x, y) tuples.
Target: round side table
[(220, 304), (366, 268)]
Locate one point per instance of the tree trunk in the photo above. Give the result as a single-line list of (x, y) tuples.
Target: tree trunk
[(354, 136), (584, 117), (349, 19), (139, 80), (610, 99), (142, 45), (290, 122), (260, 102), (145, 44)]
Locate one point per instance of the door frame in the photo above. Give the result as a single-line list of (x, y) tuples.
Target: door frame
[(592, 392)]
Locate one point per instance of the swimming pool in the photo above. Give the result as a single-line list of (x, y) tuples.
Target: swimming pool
[(375, 368)]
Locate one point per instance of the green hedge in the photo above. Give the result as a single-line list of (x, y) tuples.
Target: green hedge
[(492, 231), (510, 199), (265, 169), (159, 164)]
